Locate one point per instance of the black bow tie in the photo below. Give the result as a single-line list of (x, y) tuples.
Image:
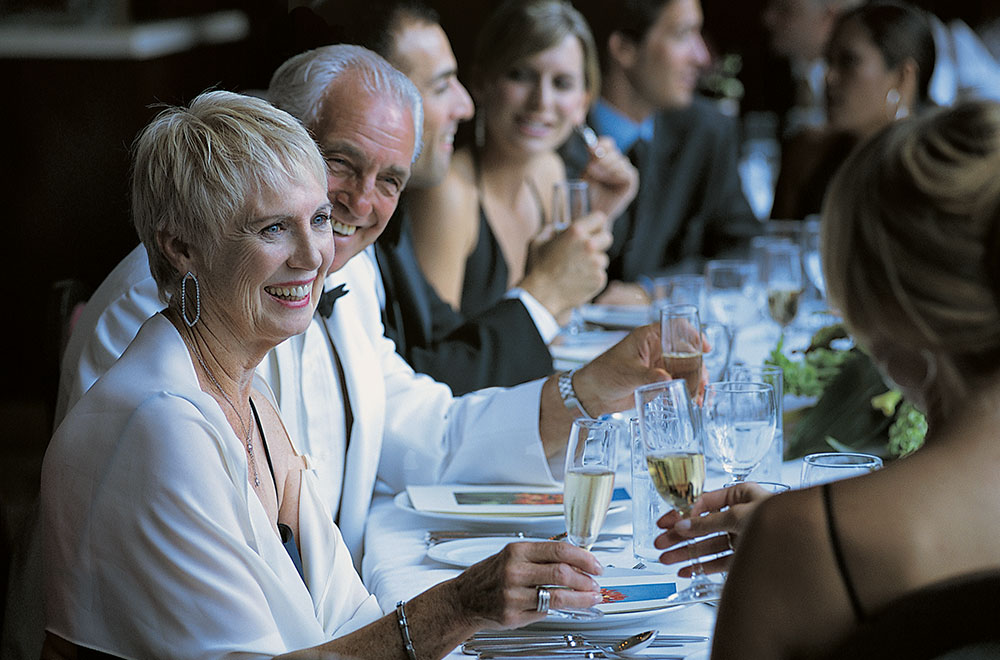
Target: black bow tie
[(327, 299)]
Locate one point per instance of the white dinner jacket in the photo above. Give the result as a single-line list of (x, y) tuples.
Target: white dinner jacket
[(408, 428)]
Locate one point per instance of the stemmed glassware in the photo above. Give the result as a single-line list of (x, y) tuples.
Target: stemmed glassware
[(570, 201), (811, 254), (739, 419), (588, 485), (680, 339), (676, 463), (833, 466), (730, 288), (782, 278), (590, 478)]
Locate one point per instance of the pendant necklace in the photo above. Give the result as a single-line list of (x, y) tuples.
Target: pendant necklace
[(247, 429)]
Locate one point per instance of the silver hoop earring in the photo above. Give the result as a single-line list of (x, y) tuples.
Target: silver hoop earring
[(197, 299)]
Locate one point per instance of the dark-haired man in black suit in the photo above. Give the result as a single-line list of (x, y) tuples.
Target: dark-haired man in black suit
[(690, 204)]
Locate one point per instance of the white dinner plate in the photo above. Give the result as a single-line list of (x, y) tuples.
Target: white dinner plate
[(466, 552), (402, 501), (612, 317)]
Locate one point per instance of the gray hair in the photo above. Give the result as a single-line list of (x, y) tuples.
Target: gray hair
[(197, 169), (299, 85)]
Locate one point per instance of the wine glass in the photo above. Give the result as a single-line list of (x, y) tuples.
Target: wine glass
[(676, 463), (730, 288), (739, 419), (716, 358), (832, 466), (811, 255), (680, 339), (773, 375), (782, 278), (571, 200)]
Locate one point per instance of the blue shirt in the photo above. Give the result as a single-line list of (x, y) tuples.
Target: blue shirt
[(623, 130)]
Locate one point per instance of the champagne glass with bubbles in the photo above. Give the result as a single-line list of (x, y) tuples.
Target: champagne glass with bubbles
[(676, 463), (782, 278), (590, 478)]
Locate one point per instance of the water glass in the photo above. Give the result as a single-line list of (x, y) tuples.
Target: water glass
[(770, 467), (716, 359), (590, 478), (832, 466), (739, 420), (647, 505)]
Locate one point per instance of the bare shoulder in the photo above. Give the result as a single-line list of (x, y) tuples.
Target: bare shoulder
[(784, 570), (450, 205), (548, 169)]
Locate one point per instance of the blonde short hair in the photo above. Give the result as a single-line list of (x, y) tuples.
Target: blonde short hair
[(911, 239), (197, 169)]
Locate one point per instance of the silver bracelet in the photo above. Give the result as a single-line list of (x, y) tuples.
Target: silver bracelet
[(568, 393), (404, 630)]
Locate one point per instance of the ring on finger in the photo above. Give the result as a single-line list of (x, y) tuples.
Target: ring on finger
[(544, 597), (729, 542)]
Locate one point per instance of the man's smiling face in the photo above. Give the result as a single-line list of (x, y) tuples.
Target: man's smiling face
[(367, 140)]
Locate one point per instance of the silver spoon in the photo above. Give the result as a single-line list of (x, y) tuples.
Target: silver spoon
[(630, 645)]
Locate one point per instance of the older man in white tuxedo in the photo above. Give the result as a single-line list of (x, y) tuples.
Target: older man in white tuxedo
[(358, 410)]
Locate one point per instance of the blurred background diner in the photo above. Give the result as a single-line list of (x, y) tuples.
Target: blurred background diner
[(83, 78)]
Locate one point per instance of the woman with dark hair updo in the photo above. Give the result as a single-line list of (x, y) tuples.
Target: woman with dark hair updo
[(880, 60), (911, 250), (535, 74)]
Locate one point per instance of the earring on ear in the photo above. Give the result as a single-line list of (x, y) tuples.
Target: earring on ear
[(197, 299), (894, 100)]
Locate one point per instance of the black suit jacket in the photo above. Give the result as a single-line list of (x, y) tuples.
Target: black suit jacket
[(690, 205), (499, 346)]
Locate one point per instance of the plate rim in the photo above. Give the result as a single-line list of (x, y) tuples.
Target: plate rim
[(402, 501)]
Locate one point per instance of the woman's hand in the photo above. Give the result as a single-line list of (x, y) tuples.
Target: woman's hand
[(726, 510), (566, 269), (612, 178), (502, 591)]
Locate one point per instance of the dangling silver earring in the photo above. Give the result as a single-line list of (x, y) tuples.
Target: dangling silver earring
[(197, 299), (893, 100), (479, 130)]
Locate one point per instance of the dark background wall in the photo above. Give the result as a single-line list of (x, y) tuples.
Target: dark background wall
[(68, 123)]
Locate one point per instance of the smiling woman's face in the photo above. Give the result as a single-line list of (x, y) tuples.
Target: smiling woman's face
[(267, 274), (535, 104)]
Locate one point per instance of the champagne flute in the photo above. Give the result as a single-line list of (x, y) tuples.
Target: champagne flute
[(587, 488), (676, 463), (590, 478), (811, 254), (739, 419), (680, 339), (782, 277), (571, 200)]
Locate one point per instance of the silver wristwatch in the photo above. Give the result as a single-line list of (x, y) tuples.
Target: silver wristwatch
[(568, 394)]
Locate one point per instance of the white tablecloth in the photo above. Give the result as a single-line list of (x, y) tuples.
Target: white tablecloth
[(396, 568)]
